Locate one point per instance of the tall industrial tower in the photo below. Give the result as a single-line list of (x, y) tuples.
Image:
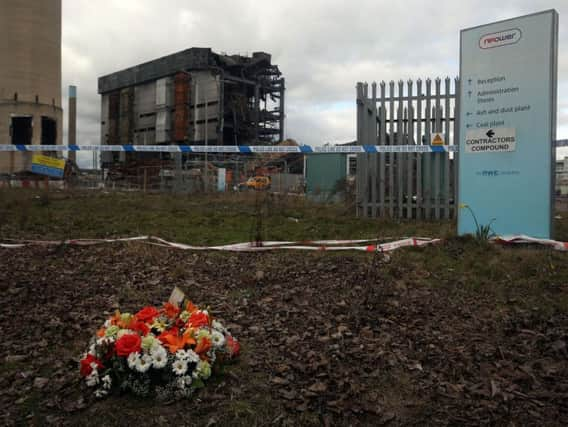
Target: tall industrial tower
[(30, 77)]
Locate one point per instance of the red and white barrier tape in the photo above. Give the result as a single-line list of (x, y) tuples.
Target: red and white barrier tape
[(522, 239), (366, 245), (369, 245)]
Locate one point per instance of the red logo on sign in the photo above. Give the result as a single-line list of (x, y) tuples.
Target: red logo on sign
[(502, 38)]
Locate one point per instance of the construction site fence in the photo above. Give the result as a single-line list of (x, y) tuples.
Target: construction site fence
[(152, 181), (419, 180)]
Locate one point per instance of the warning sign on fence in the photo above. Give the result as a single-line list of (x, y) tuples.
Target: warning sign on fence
[(437, 139), (50, 166)]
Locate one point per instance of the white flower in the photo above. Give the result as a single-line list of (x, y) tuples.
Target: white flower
[(149, 342), (218, 339), (101, 393), (107, 382), (181, 382), (184, 381), (132, 360), (188, 355), (181, 355), (203, 370), (158, 349), (179, 367), (105, 341), (159, 358), (218, 326), (93, 378), (143, 363)]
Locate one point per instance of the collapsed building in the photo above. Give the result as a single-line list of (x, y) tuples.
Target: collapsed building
[(193, 97)]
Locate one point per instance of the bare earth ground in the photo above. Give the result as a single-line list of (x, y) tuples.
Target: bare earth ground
[(456, 334)]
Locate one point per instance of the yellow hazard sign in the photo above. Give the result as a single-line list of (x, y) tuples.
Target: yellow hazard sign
[(437, 139), (50, 166), (47, 161)]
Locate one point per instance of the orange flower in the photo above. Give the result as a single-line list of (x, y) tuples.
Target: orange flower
[(171, 310), (114, 320), (101, 332), (203, 345), (188, 335), (174, 342), (117, 320), (190, 307)]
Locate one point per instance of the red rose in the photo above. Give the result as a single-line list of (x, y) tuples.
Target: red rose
[(86, 367), (198, 319), (171, 310), (139, 326), (147, 314), (233, 345), (127, 344)]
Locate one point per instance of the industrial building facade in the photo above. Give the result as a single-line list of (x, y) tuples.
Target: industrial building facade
[(30, 78), (194, 97)]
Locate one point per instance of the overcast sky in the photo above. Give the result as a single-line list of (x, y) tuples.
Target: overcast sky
[(323, 47)]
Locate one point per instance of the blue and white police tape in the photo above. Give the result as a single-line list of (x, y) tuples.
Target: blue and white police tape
[(248, 149), (237, 149)]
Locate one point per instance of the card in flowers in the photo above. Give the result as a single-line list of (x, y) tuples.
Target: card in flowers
[(166, 353)]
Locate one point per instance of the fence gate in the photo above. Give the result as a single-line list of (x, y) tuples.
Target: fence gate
[(420, 185)]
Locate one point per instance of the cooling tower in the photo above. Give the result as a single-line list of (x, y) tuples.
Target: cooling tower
[(30, 77)]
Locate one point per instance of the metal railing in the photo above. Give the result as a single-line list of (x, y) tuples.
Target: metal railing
[(419, 183)]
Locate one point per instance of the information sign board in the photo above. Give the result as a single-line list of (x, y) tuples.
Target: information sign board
[(508, 73)]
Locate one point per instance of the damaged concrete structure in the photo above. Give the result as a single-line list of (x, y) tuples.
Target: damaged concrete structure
[(193, 97)]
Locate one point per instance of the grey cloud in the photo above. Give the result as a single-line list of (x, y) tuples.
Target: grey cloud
[(322, 47)]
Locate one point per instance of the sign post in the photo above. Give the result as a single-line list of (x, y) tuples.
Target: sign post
[(507, 129), (221, 179)]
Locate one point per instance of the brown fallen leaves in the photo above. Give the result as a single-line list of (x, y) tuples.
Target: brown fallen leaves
[(324, 342)]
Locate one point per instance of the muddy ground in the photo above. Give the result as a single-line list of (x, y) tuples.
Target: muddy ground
[(457, 334)]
